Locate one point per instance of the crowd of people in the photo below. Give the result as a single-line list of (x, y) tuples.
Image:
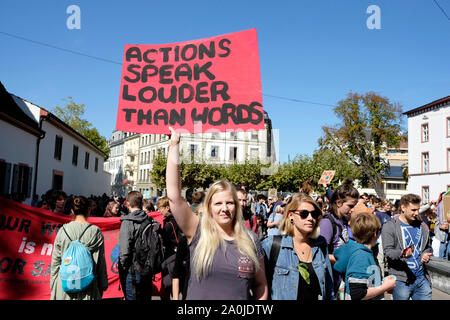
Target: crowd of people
[(227, 243)]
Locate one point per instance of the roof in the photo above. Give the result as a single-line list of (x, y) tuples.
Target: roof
[(394, 172), (50, 117), (12, 113), (429, 106), (9, 106)]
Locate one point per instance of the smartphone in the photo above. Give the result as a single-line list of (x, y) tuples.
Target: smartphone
[(410, 247)]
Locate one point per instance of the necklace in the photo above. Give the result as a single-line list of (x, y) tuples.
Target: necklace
[(304, 251)]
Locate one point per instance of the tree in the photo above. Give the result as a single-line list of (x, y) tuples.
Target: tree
[(370, 124), (72, 113), (328, 160), (158, 172), (248, 173)]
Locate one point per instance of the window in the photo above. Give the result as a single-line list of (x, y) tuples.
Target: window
[(425, 194), (425, 132), (233, 135), (233, 153), (425, 162), (193, 150), (86, 160), (5, 177), (254, 152), (57, 181), (214, 152), (254, 135), (75, 155), (448, 127), (448, 159), (96, 165), (396, 186), (21, 181), (58, 147)]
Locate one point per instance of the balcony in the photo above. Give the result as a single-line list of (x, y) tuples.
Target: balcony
[(131, 152)]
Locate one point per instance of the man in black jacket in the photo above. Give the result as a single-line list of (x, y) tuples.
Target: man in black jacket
[(134, 286)]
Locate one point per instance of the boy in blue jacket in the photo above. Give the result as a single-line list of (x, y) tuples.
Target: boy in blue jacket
[(355, 260)]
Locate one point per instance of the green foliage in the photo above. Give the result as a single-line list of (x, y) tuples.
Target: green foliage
[(369, 125), (99, 141), (288, 177), (72, 113), (158, 173)]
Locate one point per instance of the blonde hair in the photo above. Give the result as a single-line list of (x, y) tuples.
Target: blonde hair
[(286, 227), (210, 240), (278, 209), (162, 202)]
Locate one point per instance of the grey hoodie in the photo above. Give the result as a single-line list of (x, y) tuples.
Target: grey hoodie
[(128, 232), (393, 245)]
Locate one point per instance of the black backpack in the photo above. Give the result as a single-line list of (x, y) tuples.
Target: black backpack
[(149, 249)]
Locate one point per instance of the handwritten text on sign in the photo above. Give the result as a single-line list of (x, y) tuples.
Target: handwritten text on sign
[(215, 82)]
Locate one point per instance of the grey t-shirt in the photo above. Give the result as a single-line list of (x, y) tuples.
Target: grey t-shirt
[(230, 277)]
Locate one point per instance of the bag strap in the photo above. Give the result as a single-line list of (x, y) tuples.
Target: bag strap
[(173, 228), (334, 225), (273, 257), (90, 225), (66, 233)]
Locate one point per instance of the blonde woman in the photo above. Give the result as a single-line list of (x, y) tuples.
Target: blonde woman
[(226, 259), (274, 220), (301, 270)]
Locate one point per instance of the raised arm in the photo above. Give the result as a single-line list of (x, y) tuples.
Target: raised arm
[(184, 216)]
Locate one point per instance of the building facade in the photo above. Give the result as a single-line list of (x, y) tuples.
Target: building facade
[(429, 149), (212, 148), (54, 157), (394, 182), (18, 144), (114, 165), (130, 159)]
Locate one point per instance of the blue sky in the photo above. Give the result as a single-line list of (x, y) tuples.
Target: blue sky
[(316, 50)]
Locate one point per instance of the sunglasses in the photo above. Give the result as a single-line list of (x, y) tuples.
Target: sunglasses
[(305, 213)]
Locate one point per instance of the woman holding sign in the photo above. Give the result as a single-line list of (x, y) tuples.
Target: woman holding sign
[(227, 260)]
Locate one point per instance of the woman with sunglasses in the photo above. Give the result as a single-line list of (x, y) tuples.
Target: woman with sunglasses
[(301, 269)]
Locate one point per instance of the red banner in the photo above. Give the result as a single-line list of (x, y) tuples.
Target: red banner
[(206, 85), (27, 235)]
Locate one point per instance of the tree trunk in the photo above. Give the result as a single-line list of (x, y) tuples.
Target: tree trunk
[(379, 189)]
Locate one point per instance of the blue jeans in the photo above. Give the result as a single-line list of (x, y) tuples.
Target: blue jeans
[(139, 288), (418, 290), (444, 248)]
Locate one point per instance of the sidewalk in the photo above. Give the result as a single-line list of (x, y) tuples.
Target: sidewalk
[(436, 295)]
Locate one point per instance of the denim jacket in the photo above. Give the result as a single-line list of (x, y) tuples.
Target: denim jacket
[(286, 275)]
